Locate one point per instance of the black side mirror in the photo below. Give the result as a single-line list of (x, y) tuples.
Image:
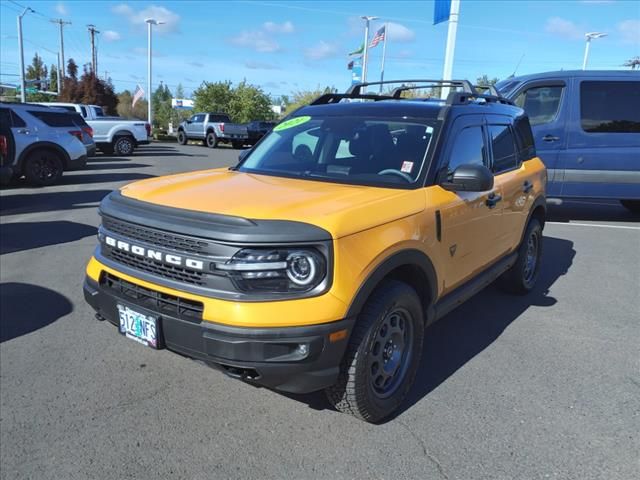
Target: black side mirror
[(243, 154), (469, 178)]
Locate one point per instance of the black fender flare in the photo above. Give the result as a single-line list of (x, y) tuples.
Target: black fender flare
[(540, 201), (412, 257), (46, 146)]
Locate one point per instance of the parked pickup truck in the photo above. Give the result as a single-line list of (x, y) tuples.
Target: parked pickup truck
[(111, 134), (212, 129)]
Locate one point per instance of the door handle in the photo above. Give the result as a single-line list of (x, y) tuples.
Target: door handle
[(527, 186), (493, 199), (550, 138)]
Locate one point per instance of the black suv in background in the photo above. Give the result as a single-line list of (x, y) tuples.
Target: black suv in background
[(257, 129)]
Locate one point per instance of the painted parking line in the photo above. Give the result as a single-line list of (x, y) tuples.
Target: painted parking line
[(597, 225)]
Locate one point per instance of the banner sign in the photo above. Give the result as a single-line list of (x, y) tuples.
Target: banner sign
[(182, 103), (441, 10)]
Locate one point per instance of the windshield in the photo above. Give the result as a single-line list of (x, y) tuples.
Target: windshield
[(357, 150)]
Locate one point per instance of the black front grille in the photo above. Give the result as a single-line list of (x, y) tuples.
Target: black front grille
[(161, 303), (172, 272), (155, 237)]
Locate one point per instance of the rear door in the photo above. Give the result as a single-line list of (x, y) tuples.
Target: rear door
[(547, 104), (5, 130), (603, 152)]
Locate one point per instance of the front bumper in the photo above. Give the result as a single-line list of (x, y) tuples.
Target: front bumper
[(91, 150), (270, 357)]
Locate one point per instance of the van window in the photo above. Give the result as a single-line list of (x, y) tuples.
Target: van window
[(540, 103), (468, 148), (610, 107), (526, 147), (503, 147)]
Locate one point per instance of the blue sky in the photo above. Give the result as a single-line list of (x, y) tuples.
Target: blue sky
[(285, 46)]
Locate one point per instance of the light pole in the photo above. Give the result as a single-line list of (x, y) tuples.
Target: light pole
[(23, 84), (365, 55), (447, 72), (150, 21), (589, 37)]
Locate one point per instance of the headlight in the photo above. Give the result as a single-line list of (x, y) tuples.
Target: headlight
[(278, 270)]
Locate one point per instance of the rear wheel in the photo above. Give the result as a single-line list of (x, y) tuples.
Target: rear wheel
[(182, 138), (211, 140), (43, 168), (631, 205), (123, 145), (522, 276), (383, 354)]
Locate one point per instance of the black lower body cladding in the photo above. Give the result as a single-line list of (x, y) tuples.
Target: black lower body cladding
[(289, 359)]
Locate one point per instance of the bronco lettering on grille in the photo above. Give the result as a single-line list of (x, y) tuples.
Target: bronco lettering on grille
[(155, 254)]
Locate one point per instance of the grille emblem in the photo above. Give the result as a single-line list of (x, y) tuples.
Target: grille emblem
[(152, 254)]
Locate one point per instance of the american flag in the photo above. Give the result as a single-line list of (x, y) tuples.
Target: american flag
[(137, 95), (379, 37)]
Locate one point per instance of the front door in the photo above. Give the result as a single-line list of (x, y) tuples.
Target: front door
[(470, 222), (547, 104)]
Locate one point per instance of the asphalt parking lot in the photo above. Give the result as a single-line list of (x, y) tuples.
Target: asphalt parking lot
[(543, 386)]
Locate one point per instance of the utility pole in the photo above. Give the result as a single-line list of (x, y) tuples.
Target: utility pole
[(23, 84), (59, 80), (94, 56), (451, 45), (365, 55), (61, 23)]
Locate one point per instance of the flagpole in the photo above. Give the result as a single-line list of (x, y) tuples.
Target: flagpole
[(451, 45), (384, 54), (365, 57)]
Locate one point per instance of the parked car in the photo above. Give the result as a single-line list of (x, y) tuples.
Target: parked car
[(586, 126), (43, 142), (319, 260), (111, 134), (258, 129), (212, 129)]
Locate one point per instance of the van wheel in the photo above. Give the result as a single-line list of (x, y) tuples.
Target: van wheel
[(123, 145), (522, 276), (631, 205), (182, 138), (383, 354), (43, 168), (211, 140)]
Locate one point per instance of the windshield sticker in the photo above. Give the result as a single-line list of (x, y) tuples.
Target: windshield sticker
[(294, 122), (407, 167)]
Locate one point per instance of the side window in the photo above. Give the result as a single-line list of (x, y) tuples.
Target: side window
[(5, 118), (83, 110), (17, 121), (540, 103), (503, 148), (98, 111), (526, 147), (198, 119), (468, 148), (610, 107)]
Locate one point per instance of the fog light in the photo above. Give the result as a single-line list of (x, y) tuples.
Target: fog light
[(303, 349)]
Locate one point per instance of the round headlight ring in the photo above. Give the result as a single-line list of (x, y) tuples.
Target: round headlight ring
[(301, 267)]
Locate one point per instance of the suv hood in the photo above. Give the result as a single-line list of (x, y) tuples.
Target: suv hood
[(340, 209)]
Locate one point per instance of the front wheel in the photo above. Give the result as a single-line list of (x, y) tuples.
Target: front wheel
[(123, 146), (211, 140), (43, 168), (631, 205), (182, 138), (383, 354), (522, 276)]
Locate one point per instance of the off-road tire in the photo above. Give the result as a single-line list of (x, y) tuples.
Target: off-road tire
[(521, 278), (182, 137), (354, 391), (124, 146), (43, 168), (631, 205), (211, 140)]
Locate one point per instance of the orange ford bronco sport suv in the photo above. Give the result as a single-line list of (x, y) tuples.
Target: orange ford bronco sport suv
[(319, 260)]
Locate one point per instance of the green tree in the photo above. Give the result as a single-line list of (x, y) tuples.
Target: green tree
[(485, 80), (212, 97), (305, 97), (37, 71), (89, 89), (53, 79), (70, 83), (161, 103), (248, 103)]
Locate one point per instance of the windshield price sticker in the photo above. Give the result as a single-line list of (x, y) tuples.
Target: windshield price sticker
[(406, 167), (294, 122)]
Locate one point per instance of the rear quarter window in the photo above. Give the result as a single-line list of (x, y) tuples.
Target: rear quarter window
[(55, 119), (612, 107)]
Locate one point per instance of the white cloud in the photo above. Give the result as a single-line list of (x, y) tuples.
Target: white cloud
[(272, 27), (630, 31), (321, 50), (399, 33), (260, 65), (137, 17), (564, 28), (111, 36), (61, 9), (256, 40)]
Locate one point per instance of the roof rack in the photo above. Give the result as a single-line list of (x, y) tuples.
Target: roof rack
[(490, 88), (465, 84), (462, 98)]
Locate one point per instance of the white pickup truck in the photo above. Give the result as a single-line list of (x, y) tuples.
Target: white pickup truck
[(111, 134)]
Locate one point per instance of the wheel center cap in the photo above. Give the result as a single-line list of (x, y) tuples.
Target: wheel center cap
[(388, 351)]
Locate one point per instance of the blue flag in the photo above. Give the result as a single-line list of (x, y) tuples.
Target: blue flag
[(441, 10)]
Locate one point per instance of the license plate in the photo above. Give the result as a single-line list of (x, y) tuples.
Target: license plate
[(138, 326)]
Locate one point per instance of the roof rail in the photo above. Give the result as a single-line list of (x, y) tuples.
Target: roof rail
[(465, 84), (336, 97), (490, 88), (462, 98)]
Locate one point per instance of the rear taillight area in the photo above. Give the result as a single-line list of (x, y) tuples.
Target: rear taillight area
[(222, 127), (148, 127), (77, 134), (88, 131)]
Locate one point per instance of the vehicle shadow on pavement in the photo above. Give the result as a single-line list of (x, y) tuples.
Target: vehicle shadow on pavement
[(26, 308), (86, 178), (457, 338), (46, 202), (114, 166), (164, 151), (20, 236)]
